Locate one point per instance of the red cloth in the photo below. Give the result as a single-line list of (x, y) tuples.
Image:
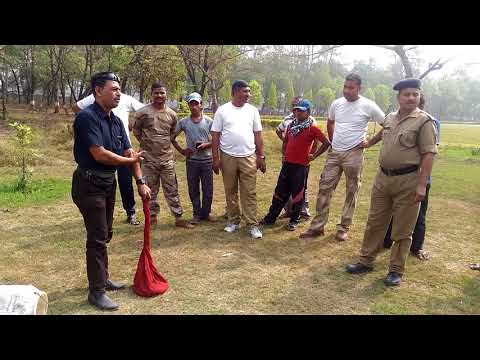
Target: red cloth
[(148, 281), (298, 147)]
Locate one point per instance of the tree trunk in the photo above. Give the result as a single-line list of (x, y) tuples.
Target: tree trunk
[(33, 82), (4, 81), (17, 84), (214, 104)]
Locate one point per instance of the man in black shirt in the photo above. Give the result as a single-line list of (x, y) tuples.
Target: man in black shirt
[(101, 145)]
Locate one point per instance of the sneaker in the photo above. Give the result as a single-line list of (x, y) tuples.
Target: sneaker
[(255, 232), (230, 228), (292, 226), (132, 220)]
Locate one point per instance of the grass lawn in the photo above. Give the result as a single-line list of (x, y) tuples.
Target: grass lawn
[(212, 272)]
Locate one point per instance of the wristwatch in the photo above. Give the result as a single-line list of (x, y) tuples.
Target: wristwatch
[(141, 180)]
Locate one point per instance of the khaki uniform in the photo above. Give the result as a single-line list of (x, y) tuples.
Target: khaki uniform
[(153, 129), (405, 140)]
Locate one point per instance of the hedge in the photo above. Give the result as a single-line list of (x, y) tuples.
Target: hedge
[(267, 120)]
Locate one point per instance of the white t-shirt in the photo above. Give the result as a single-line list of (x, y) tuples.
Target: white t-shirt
[(236, 125), (351, 121), (125, 106)]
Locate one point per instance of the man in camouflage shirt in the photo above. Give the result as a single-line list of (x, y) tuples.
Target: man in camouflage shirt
[(154, 126)]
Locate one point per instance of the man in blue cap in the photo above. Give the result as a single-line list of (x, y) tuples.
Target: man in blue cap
[(406, 160), (297, 143)]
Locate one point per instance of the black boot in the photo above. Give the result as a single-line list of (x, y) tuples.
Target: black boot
[(101, 301), (358, 268), (111, 286), (393, 279)]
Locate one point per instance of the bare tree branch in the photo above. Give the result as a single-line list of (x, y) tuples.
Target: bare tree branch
[(437, 65)]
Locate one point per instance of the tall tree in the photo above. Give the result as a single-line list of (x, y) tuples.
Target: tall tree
[(325, 97), (272, 98), (256, 92), (383, 94), (225, 91)]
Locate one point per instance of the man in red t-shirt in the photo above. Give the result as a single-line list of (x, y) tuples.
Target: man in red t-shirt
[(297, 143)]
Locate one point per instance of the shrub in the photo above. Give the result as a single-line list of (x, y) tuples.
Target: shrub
[(23, 154)]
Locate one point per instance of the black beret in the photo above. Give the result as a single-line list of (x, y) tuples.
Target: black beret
[(408, 83)]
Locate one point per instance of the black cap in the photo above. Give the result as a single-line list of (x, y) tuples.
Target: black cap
[(408, 83)]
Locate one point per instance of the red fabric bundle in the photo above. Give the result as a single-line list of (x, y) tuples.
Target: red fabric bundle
[(148, 281)]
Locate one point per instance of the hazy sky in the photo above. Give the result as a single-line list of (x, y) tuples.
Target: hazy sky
[(459, 55)]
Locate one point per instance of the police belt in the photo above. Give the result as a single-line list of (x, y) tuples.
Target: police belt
[(100, 173), (395, 172)]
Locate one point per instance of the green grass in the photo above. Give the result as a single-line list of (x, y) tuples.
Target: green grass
[(40, 191), (211, 272)]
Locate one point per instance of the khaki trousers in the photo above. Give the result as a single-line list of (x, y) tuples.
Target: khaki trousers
[(391, 196), (163, 172), (351, 163), (240, 172)]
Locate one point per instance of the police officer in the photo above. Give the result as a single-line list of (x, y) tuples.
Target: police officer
[(406, 159), (101, 144)]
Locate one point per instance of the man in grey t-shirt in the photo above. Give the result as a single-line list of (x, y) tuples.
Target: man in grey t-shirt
[(199, 157)]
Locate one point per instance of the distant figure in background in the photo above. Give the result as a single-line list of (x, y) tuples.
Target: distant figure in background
[(418, 236), (127, 105)]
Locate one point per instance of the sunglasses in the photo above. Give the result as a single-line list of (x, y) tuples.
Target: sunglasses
[(111, 76), (107, 76)]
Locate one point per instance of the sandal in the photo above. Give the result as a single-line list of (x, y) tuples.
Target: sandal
[(421, 255), (475, 266)]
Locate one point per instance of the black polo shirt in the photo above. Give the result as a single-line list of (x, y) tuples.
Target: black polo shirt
[(93, 126)]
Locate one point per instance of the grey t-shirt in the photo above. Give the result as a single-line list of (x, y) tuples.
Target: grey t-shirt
[(196, 132)]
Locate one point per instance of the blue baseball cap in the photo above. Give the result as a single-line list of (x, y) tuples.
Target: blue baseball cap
[(303, 105)]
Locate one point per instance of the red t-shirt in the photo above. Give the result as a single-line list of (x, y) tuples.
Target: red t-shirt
[(298, 147)]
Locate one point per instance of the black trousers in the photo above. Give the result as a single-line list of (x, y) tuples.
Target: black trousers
[(291, 182), (200, 172), (96, 203), (304, 209), (418, 236), (126, 189)]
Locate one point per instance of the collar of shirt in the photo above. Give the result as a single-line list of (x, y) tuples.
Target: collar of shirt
[(414, 114), (101, 113)]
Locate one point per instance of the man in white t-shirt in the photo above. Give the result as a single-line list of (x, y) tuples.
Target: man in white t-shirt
[(127, 104), (347, 128), (237, 133)]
